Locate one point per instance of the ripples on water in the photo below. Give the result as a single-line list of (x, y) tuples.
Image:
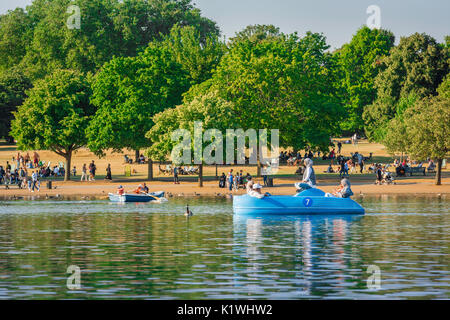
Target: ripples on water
[(152, 251)]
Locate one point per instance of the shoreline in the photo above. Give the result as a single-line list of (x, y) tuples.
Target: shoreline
[(282, 186)]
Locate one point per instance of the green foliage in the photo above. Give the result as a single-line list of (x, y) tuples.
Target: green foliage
[(417, 65), (128, 92), (13, 85), (256, 33), (15, 35), (428, 128), (39, 40), (284, 83), (210, 109), (197, 55), (55, 115), (359, 63)]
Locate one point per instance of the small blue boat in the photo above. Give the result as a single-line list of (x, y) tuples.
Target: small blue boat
[(134, 197), (308, 202)]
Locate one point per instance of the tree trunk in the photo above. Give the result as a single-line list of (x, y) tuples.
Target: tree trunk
[(438, 172), (136, 155), (217, 177), (200, 175), (68, 158), (150, 170)]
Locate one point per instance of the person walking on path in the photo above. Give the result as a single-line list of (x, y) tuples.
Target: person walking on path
[(34, 180), (339, 145), (92, 169), (84, 173)]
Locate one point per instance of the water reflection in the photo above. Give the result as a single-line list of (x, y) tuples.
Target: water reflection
[(152, 251)]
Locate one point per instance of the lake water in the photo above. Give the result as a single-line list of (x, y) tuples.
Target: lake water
[(152, 251)]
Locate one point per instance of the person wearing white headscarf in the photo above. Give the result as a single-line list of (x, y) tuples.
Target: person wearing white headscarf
[(344, 190), (309, 176)]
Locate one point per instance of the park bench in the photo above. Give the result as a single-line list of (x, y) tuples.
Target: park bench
[(411, 170)]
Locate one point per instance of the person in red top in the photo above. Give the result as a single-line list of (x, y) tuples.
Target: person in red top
[(120, 190)]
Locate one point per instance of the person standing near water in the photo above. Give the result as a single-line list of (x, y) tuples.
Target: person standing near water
[(230, 180), (175, 176), (108, 172)]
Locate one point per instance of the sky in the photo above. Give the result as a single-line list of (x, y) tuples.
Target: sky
[(338, 20)]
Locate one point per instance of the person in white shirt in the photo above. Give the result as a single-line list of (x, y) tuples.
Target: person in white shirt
[(256, 191)]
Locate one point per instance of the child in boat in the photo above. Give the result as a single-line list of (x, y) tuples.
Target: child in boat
[(120, 190), (309, 177)]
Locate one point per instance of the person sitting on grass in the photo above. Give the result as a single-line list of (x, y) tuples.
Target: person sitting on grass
[(329, 169)]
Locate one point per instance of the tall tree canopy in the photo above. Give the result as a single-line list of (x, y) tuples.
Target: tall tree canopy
[(282, 82), (417, 65), (422, 128), (209, 109), (40, 41), (129, 91), (359, 63), (13, 85), (55, 115)]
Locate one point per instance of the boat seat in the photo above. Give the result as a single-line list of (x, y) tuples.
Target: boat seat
[(313, 192)]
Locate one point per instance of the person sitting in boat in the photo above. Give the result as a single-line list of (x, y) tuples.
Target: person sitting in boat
[(249, 185), (309, 177), (139, 189), (120, 190), (145, 188), (256, 191), (344, 190)]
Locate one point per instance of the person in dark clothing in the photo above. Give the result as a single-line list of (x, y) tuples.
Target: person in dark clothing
[(108, 172), (379, 174), (222, 180), (339, 145), (175, 176)]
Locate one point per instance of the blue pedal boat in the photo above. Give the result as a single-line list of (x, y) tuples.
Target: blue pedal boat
[(133, 197), (308, 202)]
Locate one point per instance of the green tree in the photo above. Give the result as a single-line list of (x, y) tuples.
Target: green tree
[(283, 82), (55, 115), (421, 128), (13, 85), (428, 129), (127, 93), (210, 109), (39, 39), (417, 65), (16, 32), (360, 62)]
